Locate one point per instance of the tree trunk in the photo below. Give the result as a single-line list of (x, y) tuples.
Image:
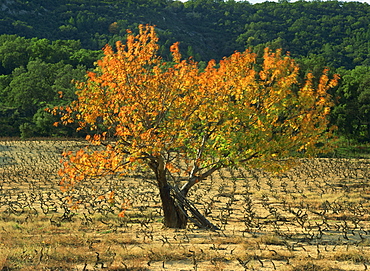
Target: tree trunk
[(174, 216), (174, 204)]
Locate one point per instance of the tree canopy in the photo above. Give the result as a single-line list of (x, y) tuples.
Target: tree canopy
[(352, 114), (181, 122)]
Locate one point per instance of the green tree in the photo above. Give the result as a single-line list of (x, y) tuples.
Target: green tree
[(352, 114), (31, 85), (39, 85), (13, 53)]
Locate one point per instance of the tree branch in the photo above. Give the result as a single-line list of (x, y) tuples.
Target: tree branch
[(195, 179), (254, 155)]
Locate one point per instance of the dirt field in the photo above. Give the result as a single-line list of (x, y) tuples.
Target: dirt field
[(314, 217)]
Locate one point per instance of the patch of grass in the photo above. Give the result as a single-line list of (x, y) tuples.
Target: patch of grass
[(310, 266), (270, 239), (353, 256), (352, 150)]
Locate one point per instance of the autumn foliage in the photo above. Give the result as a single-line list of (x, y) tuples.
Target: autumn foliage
[(143, 112)]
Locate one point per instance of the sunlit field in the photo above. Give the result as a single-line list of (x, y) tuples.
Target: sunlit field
[(314, 217)]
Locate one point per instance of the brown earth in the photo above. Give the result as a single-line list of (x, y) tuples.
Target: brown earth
[(314, 217)]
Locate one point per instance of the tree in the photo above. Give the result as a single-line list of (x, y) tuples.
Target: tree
[(31, 85), (352, 114), (184, 124), (13, 53), (28, 90)]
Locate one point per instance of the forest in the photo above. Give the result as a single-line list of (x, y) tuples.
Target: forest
[(45, 45)]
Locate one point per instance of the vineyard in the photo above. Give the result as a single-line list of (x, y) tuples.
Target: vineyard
[(314, 217)]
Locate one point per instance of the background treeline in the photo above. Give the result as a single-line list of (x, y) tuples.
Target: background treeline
[(47, 43)]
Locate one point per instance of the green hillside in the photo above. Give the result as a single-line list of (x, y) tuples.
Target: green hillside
[(212, 29), (68, 35)]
